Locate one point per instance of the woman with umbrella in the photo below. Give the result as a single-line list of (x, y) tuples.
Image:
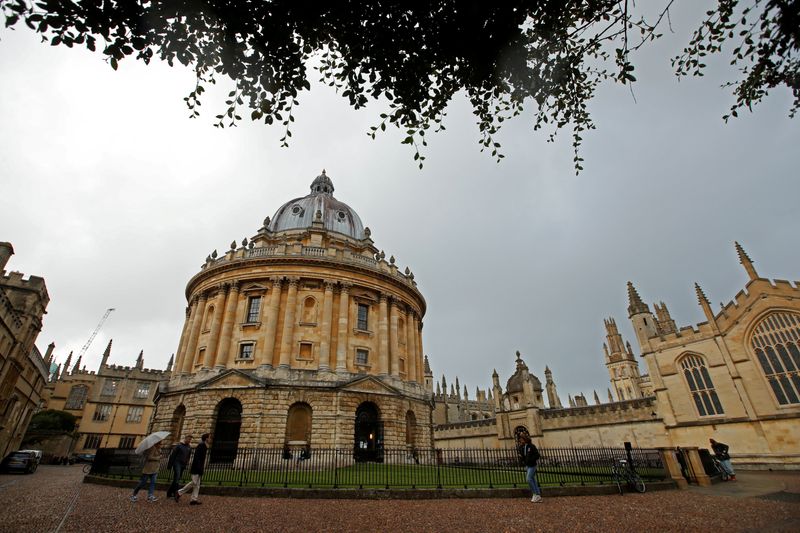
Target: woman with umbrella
[(151, 447)]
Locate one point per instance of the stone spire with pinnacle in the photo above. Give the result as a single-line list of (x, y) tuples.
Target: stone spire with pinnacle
[(140, 360), (169, 364), (66, 364), (635, 303), (704, 303), (746, 262), (106, 354), (77, 365)]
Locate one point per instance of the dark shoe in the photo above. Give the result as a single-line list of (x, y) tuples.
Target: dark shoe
[(177, 497), (195, 502)]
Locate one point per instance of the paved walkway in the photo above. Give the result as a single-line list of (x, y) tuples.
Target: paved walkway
[(54, 500)]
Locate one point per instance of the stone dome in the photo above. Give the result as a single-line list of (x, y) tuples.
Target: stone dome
[(320, 205), (515, 382)]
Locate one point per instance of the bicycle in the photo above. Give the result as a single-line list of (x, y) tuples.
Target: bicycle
[(723, 474), (623, 473)]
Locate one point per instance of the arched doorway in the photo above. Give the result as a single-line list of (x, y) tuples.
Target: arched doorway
[(226, 431), (368, 437)]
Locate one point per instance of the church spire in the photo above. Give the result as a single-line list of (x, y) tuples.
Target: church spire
[(106, 354), (171, 360), (703, 301), (77, 366), (140, 360), (746, 262), (635, 303), (66, 364)]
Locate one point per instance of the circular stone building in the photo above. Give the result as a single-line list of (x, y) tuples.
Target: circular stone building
[(302, 336)]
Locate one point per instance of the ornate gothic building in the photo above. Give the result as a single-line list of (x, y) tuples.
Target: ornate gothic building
[(303, 335)]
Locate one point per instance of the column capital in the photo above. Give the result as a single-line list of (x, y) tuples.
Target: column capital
[(277, 281), (188, 311), (384, 297), (293, 281), (329, 284), (396, 302), (344, 286)]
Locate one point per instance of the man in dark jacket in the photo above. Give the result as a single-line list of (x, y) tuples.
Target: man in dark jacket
[(178, 461), (198, 466), (721, 451)]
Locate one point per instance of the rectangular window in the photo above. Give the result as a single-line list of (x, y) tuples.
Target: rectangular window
[(142, 390), (109, 387), (253, 308), (402, 365), (102, 412), (201, 356), (246, 351), (306, 351), (363, 317), (135, 414), (92, 441), (362, 356), (126, 442)]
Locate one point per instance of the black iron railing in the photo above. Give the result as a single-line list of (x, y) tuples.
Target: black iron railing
[(395, 468)]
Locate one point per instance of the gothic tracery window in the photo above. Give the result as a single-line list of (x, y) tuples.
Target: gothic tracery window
[(700, 384), (77, 397), (775, 341)]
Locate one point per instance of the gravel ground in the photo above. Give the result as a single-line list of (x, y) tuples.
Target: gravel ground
[(39, 503)]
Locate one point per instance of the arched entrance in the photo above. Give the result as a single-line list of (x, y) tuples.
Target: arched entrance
[(368, 437), (226, 431)]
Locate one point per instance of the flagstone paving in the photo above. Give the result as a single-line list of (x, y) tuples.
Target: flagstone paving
[(55, 499)]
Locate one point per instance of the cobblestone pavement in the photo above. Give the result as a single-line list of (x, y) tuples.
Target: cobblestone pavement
[(54, 499)]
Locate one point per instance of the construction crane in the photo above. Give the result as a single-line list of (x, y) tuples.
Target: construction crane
[(94, 333)]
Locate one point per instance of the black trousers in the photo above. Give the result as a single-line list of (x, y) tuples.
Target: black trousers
[(177, 471)]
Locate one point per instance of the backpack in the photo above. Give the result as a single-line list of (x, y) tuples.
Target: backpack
[(531, 455)]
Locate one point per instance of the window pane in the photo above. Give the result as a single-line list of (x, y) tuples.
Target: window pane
[(698, 379), (707, 403), (764, 363), (776, 388), (716, 402), (787, 361), (363, 315), (707, 378), (795, 353), (690, 380), (699, 404), (774, 360), (253, 309), (787, 387)]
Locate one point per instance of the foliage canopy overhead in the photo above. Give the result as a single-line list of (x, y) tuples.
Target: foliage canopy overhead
[(550, 54)]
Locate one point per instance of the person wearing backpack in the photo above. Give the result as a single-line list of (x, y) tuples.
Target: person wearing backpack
[(530, 457)]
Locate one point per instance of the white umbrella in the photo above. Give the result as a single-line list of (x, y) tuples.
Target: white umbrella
[(150, 441)]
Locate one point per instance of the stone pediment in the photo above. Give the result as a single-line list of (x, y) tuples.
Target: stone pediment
[(231, 379), (371, 385)]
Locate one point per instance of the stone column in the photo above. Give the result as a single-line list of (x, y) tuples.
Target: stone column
[(268, 349), (223, 358), (216, 325), (194, 334), (418, 346), (383, 336), (673, 467), (693, 457), (394, 347), (411, 352), (327, 315), (344, 315), (288, 324), (176, 369)]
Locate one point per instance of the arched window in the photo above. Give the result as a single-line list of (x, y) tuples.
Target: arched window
[(77, 397), (700, 385), (309, 311), (176, 425), (209, 318), (775, 342), (298, 424), (411, 428)]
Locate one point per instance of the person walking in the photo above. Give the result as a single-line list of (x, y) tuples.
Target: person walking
[(721, 451), (530, 457), (178, 461), (149, 473), (197, 469)]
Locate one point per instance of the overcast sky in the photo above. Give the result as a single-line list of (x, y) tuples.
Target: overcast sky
[(113, 195)]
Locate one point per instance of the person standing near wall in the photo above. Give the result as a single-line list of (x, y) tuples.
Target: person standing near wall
[(149, 473)]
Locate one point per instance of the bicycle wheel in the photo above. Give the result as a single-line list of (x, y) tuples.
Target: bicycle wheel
[(636, 482), (618, 480)]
